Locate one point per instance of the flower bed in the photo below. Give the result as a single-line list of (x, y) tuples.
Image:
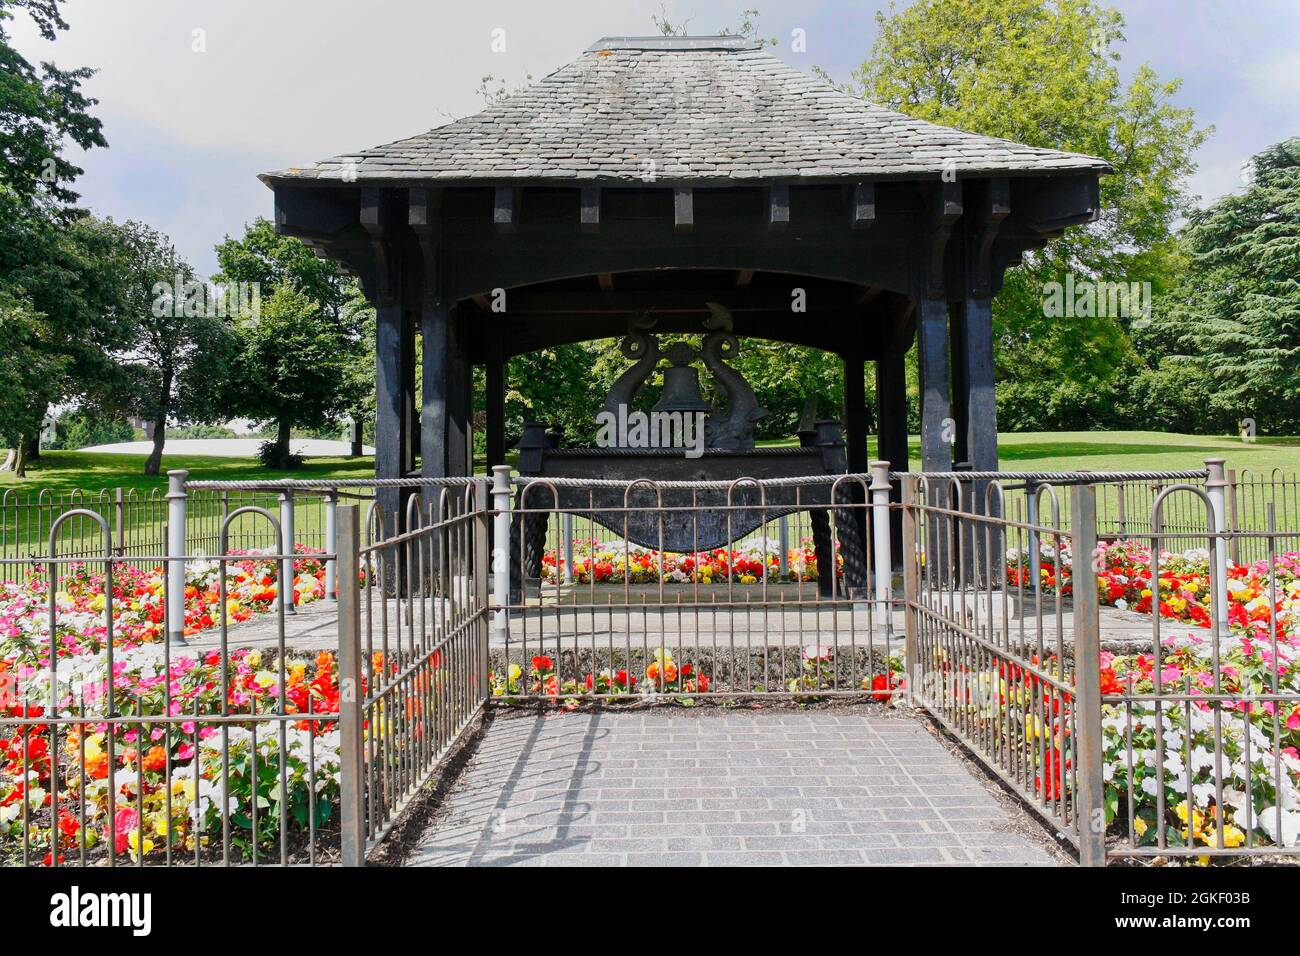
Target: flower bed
[(166, 778), (1254, 785), (608, 563)]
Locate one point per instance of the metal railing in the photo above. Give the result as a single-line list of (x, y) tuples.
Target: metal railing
[(243, 728), (413, 652), (672, 589), (126, 748)]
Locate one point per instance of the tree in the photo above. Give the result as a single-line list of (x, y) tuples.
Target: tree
[(40, 288), (1238, 314), (27, 364), (1043, 72), (39, 111), (270, 260), (175, 344), (313, 299), (292, 365)]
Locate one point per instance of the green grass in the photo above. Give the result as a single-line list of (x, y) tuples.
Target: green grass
[(63, 471), (1129, 451), (1028, 451), (66, 470)]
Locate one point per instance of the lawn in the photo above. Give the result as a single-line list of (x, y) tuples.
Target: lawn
[(1028, 451), (24, 529)]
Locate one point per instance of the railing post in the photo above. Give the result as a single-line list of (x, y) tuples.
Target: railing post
[(482, 593), (1215, 486), (911, 591), (331, 545), (176, 501), (1090, 812), (880, 552), (119, 521), (500, 550), (1234, 545), (1032, 546), (566, 529), (352, 795), (783, 542), (287, 593)]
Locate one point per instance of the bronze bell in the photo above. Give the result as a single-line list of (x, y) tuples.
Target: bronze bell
[(682, 391)]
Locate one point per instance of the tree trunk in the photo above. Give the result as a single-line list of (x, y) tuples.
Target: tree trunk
[(154, 462), (282, 443), (32, 447), (16, 460), (11, 457)]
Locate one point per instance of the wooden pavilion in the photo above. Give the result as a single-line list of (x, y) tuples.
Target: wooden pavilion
[(660, 174)]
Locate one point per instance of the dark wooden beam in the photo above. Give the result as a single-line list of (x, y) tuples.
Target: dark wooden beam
[(606, 281), (590, 212), (495, 368), (459, 398), (683, 210), (936, 415), (778, 208), (863, 212), (579, 302), (981, 425), (505, 209)]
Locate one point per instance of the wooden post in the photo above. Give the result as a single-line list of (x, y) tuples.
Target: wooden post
[(496, 403), (937, 426), (390, 416)]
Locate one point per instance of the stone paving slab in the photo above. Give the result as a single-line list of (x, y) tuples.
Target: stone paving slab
[(314, 627), (722, 789)]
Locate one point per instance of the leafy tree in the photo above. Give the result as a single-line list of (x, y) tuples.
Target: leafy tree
[(85, 427), (310, 298), (262, 256), (293, 365), (175, 339), (39, 111), (44, 303), (1043, 72), (27, 364), (1238, 313)]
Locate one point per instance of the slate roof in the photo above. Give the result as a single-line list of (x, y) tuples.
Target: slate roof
[(700, 109)]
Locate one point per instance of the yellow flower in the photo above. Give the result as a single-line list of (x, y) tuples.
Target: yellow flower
[(1139, 826), (515, 671), (133, 840), (1232, 836), (254, 659)]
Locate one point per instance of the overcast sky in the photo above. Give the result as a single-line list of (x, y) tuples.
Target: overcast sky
[(285, 82)]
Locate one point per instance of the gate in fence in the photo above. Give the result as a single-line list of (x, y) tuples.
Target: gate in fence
[(1118, 666)]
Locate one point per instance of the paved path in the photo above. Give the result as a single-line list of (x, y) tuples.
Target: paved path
[(710, 788)]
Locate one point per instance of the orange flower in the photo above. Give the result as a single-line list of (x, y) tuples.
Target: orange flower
[(155, 759), (97, 767)]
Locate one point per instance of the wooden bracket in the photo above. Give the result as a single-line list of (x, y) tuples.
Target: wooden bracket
[(943, 209), (375, 220), (993, 207), (424, 216)]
